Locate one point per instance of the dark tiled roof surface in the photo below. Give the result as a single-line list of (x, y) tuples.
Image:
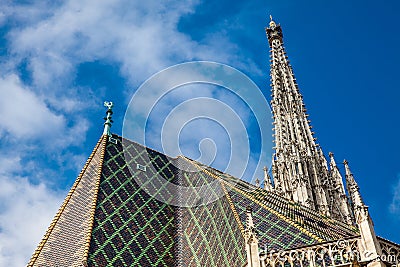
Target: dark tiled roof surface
[(132, 226), (322, 226), (210, 233), (309, 221), (273, 232)]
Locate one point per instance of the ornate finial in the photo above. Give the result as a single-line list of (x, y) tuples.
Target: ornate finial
[(349, 176), (347, 168), (272, 22), (108, 121), (267, 180), (249, 219), (257, 182), (108, 105), (333, 162)]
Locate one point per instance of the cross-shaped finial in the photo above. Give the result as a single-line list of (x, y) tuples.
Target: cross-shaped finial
[(108, 105)]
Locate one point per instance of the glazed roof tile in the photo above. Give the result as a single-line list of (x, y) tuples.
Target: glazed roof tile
[(125, 226)]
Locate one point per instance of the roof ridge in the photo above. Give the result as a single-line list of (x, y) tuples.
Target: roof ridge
[(281, 201), (300, 211), (307, 209), (228, 197), (279, 214), (64, 204), (387, 240), (312, 235), (94, 203), (235, 213), (148, 148)]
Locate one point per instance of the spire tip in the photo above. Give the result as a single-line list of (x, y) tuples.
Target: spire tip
[(272, 22), (108, 121)]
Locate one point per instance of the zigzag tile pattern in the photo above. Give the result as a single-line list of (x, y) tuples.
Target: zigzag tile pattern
[(109, 219), (131, 228)]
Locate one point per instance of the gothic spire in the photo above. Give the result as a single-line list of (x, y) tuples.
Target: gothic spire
[(370, 247), (108, 119), (250, 236), (352, 187), (267, 180), (298, 165), (335, 174), (340, 205)]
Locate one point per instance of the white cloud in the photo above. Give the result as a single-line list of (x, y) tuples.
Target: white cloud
[(9, 163), (140, 36), (395, 205), (25, 213), (24, 115), (26, 118), (135, 34)]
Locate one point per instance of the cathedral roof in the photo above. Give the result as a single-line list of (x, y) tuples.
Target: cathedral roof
[(107, 219)]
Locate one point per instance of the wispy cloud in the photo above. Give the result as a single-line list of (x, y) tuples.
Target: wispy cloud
[(395, 204), (140, 36), (25, 212), (24, 114)]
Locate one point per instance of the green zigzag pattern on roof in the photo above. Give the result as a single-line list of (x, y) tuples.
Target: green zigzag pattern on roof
[(211, 235), (133, 228), (130, 227), (318, 227)]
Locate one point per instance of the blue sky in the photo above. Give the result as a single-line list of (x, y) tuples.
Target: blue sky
[(61, 59)]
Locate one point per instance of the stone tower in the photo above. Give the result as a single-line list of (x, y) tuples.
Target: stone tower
[(299, 167)]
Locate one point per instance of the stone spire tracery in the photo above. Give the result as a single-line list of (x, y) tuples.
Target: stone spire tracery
[(340, 205), (267, 180), (369, 246), (352, 187), (250, 236), (299, 167)]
